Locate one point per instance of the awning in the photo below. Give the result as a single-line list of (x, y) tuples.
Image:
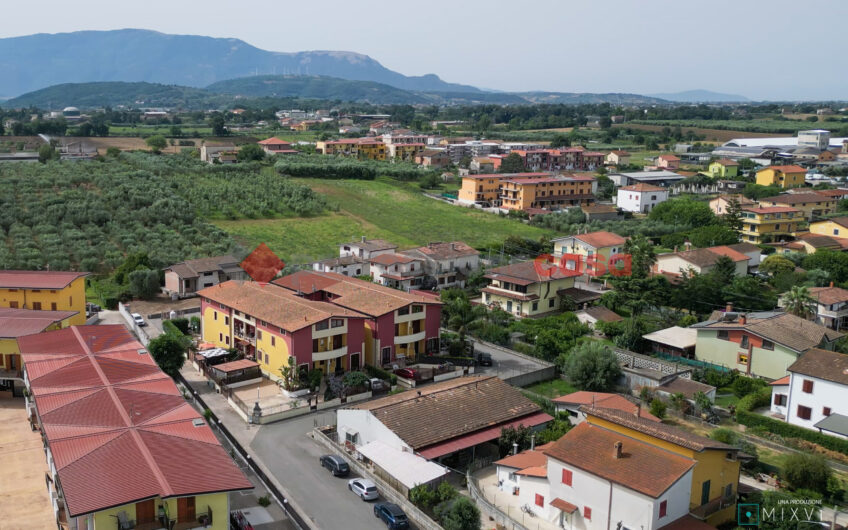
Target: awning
[(407, 468), (563, 506), (234, 366), (212, 353), (486, 435)]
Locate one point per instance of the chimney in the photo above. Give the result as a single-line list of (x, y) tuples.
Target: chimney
[(532, 441), (638, 411), (514, 448), (617, 450), (729, 308), (675, 248), (831, 284), (742, 319), (363, 239)]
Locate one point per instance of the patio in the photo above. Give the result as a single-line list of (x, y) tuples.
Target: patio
[(487, 483)]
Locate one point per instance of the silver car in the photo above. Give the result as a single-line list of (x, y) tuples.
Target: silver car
[(364, 488), (138, 320)]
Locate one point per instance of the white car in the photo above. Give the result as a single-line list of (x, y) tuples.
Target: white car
[(139, 321), (364, 488)]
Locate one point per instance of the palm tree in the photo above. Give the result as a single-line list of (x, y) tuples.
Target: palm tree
[(642, 255), (799, 302)]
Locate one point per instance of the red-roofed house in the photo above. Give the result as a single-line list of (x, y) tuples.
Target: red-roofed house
[(601, 245), (528, 288), (44, 291), (640, 198), (700, 260), (275, 146), (669, 162), (397, 270), (123, 445), (571, 404)]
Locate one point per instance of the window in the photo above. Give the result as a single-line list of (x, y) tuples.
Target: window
[(742, 358), (36, 306), (535, 306), (587, 513), (723, 335), (767, 345), (804, 412), (551, 302), (227, 340), (807, 386), (13, 305), (566, 477), (336, 323), (744, 342), (214, 315), (322, 325), (227, 320), (220, 337), (53, 306), (417, 308), (259, 334), (780, 400), (826, 411), (403, 311), (273, 341), (266, 358), (663, 509), (836, 231), (540, 500)]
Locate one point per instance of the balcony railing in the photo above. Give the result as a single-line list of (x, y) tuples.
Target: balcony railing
[(705, 510), (326, 355), (412, 337)]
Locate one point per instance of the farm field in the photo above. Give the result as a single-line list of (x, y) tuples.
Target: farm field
[(379, 208), (777, 127), (711, 135)]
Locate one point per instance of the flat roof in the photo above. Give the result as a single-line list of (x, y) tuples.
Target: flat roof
[(407, 468)]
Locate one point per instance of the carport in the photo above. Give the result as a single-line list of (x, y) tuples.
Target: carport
[(401, 469)]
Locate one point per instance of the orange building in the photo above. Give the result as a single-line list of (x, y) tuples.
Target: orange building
[(519, 191)]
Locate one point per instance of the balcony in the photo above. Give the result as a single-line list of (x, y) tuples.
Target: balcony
[(326, 355), (245, 336), (406, 339), (705, 510)]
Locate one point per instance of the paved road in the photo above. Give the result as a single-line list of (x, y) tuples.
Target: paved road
[(292, 457), (505, 364)]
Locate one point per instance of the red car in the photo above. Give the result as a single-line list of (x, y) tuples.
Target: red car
[(408, 373)]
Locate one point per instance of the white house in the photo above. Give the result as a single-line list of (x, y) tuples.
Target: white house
[(397, 270), (366, 248), (640, 197), (353, 257), (815, 393), (701, 260), (448, 264), (595, 478)]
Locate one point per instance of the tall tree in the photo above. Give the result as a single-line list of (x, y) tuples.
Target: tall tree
[(642, 255), (733, 217), (799, 302), (168, 351), (593, 366), (512, 164)]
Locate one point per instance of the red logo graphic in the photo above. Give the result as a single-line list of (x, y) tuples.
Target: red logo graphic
[(618, 265), (262, 264)]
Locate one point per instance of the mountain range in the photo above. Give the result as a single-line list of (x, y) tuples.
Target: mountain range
[(701, 96)]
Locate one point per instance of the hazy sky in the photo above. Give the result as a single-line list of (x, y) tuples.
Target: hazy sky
[(762, 49)]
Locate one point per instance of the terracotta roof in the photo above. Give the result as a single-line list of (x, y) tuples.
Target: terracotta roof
[(820, 241), (669, 158), (642, 188), (726, 162), (687, 522), (605, 400), (371, 244), (505, 176), (391, 259), (525, 459), (537, 471), (744, 247), (832, 193), (19, 322), (601, 239), (443, 251), (235, 366), (38, 279), (841, 221), (359, 295), (449, 409), (118, 428), (657, 430), (706, 257), (599, 312), (771, 209), (793, 332), (783, 381), (350, 259), (797, 198), (276, 306), (526, 273), (786, 169), (563, 506), (642, 467), (195, 267), (823, 364), (274, 141), (687, 387), (829, 295)]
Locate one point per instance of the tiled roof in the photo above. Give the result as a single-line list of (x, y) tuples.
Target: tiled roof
[(19, 322), (359, 295), (443, 251), (274, 141), (783, 381), (601, 239), (771, 209), (525, 459), (642, 467), (797, 198), (118, 428), (832, 193), (687, 522), (563, 505), (599, 312), (38, 279), (707, 257), (391, 259), (504, 176), (784, 328), (642, 188), (449, 409), (605, 400), (599, 208), (372, 245), (841, 221), (786, 169), (823, 364), (687, 387), (526, 273), (276, 306), (820, 241), (657, 430), (726, 162), (195, 267), (744, 247), (669, 158), (829, 295)]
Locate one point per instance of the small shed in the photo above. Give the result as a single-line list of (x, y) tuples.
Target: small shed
[(591, 315), (675, 340), (236, 372), (687, 387), (401, 469)]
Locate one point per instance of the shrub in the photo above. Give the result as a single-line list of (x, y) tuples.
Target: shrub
[(807, 471), (181, 324), (354, 379), (773, 426), (207, 414), (422, 496), (264, 501), (742, 386), (658, 408), (446, 491), (459, 514)]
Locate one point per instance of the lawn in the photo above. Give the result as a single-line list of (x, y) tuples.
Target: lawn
[(381, 208), (553, 388)]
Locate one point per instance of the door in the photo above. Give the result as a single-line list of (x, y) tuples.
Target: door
[(705, 492), (145, 512), (509, 306), (354, 361), (185, 510)]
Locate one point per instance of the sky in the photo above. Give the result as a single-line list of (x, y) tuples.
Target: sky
[(761, 49)]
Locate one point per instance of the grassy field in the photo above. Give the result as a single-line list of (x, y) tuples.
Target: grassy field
[(380, 208), (553, 388), (755, 125)]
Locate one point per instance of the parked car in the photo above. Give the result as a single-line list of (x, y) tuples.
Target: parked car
[(484, 359), (364, 488), (409, 373), (377, 383), (392, 515), (336, 464), (139, 321)]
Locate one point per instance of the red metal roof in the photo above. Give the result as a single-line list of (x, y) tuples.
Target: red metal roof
[(19, 322), (116, 425), (492, 433), (38, 279)]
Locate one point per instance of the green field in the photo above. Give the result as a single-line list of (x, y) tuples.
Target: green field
[(553, 388), (148, 130), (754, 125), (380, 208)]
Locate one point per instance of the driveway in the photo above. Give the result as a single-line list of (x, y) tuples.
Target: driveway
[(506, 364), (292, 456)]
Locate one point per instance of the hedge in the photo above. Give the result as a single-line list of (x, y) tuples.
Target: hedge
[(169, 328), (762, 398), (379, 373)]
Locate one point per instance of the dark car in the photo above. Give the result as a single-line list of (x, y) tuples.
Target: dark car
[(484, 359), (392, 515), (336, 464), (408, 373)]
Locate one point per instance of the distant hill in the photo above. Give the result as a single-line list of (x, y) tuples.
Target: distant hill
[(314, 87), (38, 61), (701, 96), (102, 94), (569, 98)]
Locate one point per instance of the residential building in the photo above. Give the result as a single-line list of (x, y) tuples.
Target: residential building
[(275, 146), (16, 323), (397, 270), (589, 253), (448, 264), (478, 189), (212, 151), (753, 252), (568, 158), (552, 193), (715, 475), (45, 291), (528, 288), (723, 168), (668, 162), (700, 261), (815, 393), (362, 148), (640, 198), (835, 227), (188, 277), (571, 404), (618, 158), (406, 152), (760, 344), (808, 243), (661, 177), (817, 138), (721, 204), (772, 223), (436, 158), (124, 448), (272, 325), (601, 212), (482, 164), (598, 313), (398, 325), (674, 341), (596, 478), (813, 205), (348, 265), (442, 419), (831, 306), (782, 176)]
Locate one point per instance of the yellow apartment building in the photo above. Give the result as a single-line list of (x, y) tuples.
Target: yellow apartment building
[(44, 291), (550, 193), (813, 205), (783, 176), (760, 225), (528, 288)]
